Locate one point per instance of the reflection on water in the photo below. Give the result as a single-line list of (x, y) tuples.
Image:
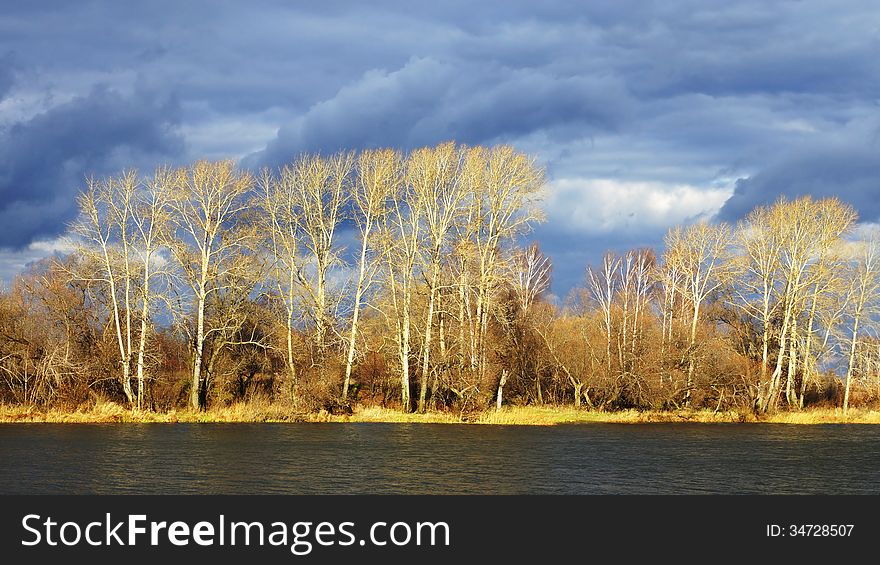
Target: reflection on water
[(439, 459)]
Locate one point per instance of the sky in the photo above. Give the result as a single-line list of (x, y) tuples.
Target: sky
[(644, 114)]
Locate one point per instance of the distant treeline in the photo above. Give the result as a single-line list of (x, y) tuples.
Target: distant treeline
[(399, 280)]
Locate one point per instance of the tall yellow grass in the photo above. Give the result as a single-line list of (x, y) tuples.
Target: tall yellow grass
[(103, 411)]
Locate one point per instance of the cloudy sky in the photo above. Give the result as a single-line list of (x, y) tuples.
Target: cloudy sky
[(644, 114)]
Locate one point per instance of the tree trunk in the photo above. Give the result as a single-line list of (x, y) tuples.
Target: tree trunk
[(807, 366), (461, 318), (429, 323), (607, 308), (500, 393), (320, 313), (765, 337), (195, 395), (692, 355), (349, 360), (770, 400), (478, 353), (621, 336), (123, 357), (126, 382), (792, 365), (441, 328), (404, 359), (291, 366), (538, 388), (578, 391), (128, 347), (776, 377), (142, 345), (852, 358)]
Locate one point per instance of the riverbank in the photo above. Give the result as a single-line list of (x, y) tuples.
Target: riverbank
[(109, 412)]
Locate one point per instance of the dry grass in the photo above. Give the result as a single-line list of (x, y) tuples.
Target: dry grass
[(548, 416), (826, 416), (379, 414), (103, 411)]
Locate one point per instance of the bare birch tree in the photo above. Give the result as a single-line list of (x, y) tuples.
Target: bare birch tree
[(507, 186), (278, 225), (208, 242), (754, 275), (669, 276), (863, 297), (434, 174), (603, 289), (378, 177), (320, 189), (529, 275), (833, 220), (803, 234), (150, 221), (698, 249), (103, 228), (401, 241)]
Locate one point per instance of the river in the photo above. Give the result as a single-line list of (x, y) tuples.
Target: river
[(439, 459)]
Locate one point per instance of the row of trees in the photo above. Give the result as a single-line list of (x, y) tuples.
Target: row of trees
[(770, 310), (398, 279), (252, 267)]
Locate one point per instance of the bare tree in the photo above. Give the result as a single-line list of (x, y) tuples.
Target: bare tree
[(754, 275), (668, 275), (602, 288), (864, 287), (320, 188), (401, 241), (529, 275), (567, 342), (804, 237), (633, 289), (507, 186), (698, 249), (434, 174), (784, 271), (208, 243), (103, 229), (278, 225), (50, 331), (150, 224), (752, 319), (378, 177), (833, 220)]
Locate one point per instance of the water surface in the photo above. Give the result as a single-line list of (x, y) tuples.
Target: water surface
[(439, 459)]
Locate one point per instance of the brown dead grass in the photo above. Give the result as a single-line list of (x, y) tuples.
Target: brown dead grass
[(103, 411)]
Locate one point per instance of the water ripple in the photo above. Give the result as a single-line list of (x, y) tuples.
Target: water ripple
[(439, 459)]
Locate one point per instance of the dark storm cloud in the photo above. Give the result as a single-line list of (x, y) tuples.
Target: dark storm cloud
[(428, 101), (43, 160), (7, 76), (849, 173)]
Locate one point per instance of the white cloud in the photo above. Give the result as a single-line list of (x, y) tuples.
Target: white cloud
[(596, 206), (15, 261), (222, 137), (796, 125)]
